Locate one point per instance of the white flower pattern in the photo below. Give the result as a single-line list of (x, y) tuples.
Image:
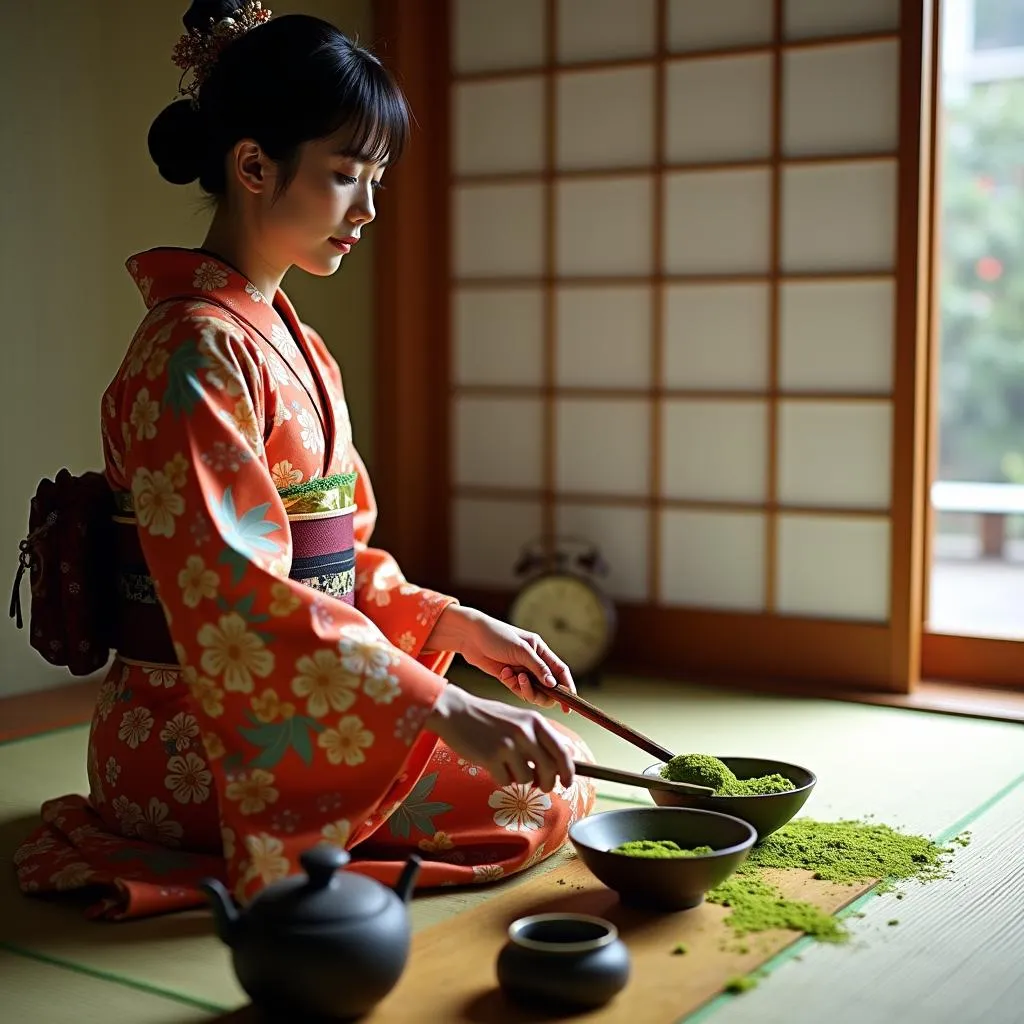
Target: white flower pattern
[(487, 872), (366, 657), (278, 369), (180, 731), (284, 342), (188, 778), (136, 726), (209, 277), (519, 808), (409, 726), (156, 826), (128, 814), (72, 876), (381, 689), (223, 455), (312, 437), (161, 677)]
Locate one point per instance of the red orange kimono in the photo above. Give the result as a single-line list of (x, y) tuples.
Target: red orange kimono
[(286, 716)]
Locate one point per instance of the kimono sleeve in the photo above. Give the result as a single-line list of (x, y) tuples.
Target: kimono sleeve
[(405, 613), (302, 694)]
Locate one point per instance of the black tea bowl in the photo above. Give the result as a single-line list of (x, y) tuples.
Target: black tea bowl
[(573, 961), (766, 813), (663, 885)]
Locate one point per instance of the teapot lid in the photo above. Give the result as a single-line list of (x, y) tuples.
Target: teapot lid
[(323, 898)]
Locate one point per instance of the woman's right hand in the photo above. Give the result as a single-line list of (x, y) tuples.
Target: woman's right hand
[(513, 744)]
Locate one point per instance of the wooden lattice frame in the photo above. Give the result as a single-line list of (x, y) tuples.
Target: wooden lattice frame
[(412, 465)]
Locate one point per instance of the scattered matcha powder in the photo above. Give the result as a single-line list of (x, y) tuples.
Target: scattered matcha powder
[(757, 906), (705, 770), (680, 950), (659, 849), (741, 983), (849, 851), (843, 851), (893, 922)]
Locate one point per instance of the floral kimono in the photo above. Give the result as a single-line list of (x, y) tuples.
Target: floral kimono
[(284, 702)]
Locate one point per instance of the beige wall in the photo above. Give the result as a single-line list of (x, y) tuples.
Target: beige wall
[(81, 82)]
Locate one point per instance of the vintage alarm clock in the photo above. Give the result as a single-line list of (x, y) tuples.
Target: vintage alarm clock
[(561, 599)]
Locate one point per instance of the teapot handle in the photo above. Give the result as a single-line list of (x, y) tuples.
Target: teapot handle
[(321, 862)]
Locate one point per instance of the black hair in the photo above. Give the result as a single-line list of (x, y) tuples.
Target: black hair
[(288, 81)]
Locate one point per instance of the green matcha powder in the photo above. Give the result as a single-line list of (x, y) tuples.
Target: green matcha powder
[(705, 770), (659, 849), (846, 852)]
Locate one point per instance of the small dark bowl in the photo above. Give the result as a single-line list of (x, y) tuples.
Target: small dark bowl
[(569, 960), (665, 885), (766, 813)]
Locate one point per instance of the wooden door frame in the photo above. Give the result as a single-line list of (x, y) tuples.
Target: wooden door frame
[(918, 58), (945, 657), (410, 415), (412, 386)]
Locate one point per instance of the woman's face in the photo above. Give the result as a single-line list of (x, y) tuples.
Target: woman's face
[(323, 211)]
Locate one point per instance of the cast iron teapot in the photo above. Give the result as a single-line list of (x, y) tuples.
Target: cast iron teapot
[(328, 946)]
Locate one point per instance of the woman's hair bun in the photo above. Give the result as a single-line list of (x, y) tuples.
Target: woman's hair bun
[(178, 140), (176, 143), (201, 11)]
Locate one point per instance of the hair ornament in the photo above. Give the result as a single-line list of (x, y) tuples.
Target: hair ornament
[(197, 51)]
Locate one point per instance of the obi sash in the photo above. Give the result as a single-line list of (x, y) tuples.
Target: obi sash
[(320, 520)]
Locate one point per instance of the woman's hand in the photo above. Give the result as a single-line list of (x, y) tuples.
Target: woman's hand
[(520, 660), (514, 744)]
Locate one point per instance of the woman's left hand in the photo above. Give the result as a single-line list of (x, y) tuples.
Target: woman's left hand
[(517, 658)]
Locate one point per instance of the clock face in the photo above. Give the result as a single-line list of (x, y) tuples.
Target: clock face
[(571, 617)]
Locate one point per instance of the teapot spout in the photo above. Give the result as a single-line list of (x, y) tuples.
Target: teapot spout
[(407, 880), (225, 916)]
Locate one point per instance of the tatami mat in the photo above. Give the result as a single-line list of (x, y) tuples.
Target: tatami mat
[(906, 768), (176, 954), (38, 993)]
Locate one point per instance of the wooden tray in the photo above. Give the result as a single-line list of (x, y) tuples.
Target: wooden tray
[(451, 972)]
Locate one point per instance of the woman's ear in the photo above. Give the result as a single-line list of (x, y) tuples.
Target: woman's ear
[(252, 168)]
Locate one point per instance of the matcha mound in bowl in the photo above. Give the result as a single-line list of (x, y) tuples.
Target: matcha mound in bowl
[(762, 792), (659, 849), (705, 770), (662, 858)]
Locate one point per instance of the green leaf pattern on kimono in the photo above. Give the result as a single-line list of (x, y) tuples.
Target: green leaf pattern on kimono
[(183, 385), (416, 811), (276, 738)]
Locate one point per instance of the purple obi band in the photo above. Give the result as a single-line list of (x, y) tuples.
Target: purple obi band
[(324, 554), (323, 558)]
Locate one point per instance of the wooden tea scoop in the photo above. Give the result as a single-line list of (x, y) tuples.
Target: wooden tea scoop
[(597, 771), (613, 725)]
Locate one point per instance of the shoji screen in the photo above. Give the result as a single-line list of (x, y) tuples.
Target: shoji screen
[(674, 281)]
